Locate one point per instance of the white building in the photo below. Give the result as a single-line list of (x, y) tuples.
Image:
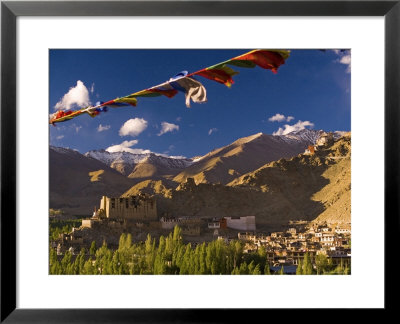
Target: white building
[(342, 231), (244, 223), (214, 225), (328, 239)]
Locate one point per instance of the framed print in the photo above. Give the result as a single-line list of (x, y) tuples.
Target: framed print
[(136, 190)]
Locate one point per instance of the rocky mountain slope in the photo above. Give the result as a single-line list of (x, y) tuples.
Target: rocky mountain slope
[(245, 155), (306, 187), (219, 166), (158, 167), (141, 166), (77, 182), (262, 175), (123, 162), (319, 185)]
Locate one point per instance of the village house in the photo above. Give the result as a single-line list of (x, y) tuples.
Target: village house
[(276, 234), (310, 150), (242, 223), (342, 231), (325, 139), (214, 225), (327, 239), (303, 236)]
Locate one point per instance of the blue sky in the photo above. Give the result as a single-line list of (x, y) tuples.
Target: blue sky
[(311, 90)]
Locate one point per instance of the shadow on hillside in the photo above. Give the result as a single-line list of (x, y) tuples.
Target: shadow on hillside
[(276, 194)]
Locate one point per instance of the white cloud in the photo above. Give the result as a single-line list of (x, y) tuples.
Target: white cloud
[(280, 118), (77, 96), (133, 127), (177, 157), (344, 58), (212, 130), (277, 117), (92, 88), (292, 128), (167, 127), (77, 128), (125, 146), (60, 137), (102, 128)]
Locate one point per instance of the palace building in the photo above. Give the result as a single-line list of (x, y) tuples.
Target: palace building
[(141, 207)]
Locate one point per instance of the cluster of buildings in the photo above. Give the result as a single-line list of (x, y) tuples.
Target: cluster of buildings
[(141, 211), (243, 223), (325, 139), (139, 214), (289, 247)]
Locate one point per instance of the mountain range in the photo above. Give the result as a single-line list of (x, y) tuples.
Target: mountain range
[(222, 165), (263, 175)]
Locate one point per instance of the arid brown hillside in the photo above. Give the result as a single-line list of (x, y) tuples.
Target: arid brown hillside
[(244, 155), (319, 185), (157, 167), (306, 187), (77, 182), (336, 196)]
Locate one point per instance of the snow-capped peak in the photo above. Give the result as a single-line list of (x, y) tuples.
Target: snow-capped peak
[(119, 157), (309, 135), (131, 159), (63, 150)]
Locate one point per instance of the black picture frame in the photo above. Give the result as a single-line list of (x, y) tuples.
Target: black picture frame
[(10, 10)]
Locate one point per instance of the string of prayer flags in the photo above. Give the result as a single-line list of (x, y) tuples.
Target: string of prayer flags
[(184, 82)]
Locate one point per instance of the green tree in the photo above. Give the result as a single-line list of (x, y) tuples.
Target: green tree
[(128, 241), (267, 270), (104, 260), (88, 267), (341, 269), (251, 267), (122, 240), (238, 253), (117, 264), (210, 257), (159, 265), (66, 262), (321, 262), (177, 236), (299, 269), (202, 260), (150, 254), (307, 265), (262, 257), (92, 250), (257, 270), (82, 256), (76, 265), (54, 266), (243, 268), (196, 260), (185, 265)]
